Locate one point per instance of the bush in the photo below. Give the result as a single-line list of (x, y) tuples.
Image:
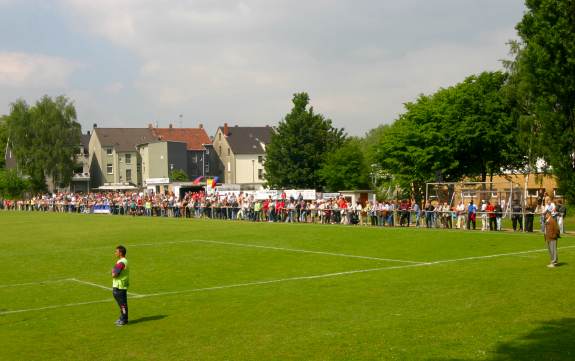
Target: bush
[(12, 185)]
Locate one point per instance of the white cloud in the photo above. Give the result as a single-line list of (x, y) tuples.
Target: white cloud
[(242, 60), (114, 88), (34, 70)]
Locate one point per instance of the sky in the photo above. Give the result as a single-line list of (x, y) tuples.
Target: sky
[(129, 63)]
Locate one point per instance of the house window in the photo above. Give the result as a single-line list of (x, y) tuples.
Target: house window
[(109, 168), (220, 149), (556, 193), (229, 167), (228, 151), (128, 159), (532, 192), (260, 159), (260, 174), (207, 168), (108, 151), (128, 175)]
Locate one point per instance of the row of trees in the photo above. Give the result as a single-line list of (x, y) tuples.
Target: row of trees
[(487, 124)]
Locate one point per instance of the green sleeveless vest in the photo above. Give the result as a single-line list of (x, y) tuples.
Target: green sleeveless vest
[(123, 280)]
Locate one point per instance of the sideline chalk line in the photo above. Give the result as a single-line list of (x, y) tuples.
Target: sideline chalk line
[(257, 283), (248, 245)]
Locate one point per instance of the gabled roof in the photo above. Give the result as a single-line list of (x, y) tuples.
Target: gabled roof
[(194, 138), (85, 141), (124, 139), (248, 140)]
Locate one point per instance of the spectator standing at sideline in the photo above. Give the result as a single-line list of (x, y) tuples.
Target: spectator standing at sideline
[(483, 215), (471, 215), (492, 217), (460, 215), (429, 208), (551, 236), (561, 213), (417, 212), (517, 216), (498, 214)]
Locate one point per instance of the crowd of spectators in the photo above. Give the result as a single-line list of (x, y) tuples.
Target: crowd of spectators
[(243, 206)]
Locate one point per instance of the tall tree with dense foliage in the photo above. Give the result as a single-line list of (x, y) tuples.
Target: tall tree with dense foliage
[(543, 78), (44, 138), (464, 130), (346, 168), (299, 147)]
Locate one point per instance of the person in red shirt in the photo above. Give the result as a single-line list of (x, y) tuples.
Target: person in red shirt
[(490, 209)]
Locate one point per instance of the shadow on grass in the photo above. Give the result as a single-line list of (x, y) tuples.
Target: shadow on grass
[(552, 340), (147, 318)]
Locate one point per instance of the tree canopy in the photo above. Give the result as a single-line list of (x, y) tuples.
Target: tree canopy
[(464, 130), (44, 138), (179, 175), (543, 83), (299, 147), (346, 168)]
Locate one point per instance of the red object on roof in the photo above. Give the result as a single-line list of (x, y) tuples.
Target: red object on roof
[(193, 137)]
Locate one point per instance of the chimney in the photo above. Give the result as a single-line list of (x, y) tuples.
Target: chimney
[(225, 129), (150, 125), (88, 132), (201, 126), (95, 126), (170, 125)]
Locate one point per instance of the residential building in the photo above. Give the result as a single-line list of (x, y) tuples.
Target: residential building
[(159, 159), (242, 152), (81, 179), (201, 159), (114, 158)]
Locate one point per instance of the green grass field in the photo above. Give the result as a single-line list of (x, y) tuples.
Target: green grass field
[(217, 290)]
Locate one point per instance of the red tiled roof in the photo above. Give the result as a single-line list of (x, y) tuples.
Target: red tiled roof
[(193, 137)]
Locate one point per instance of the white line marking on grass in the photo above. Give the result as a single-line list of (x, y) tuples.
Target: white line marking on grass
[(257, 283), (494, 255), (247, 245), (54, 307), (36, 283), (136, 295)]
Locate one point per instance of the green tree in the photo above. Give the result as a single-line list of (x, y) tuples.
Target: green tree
[(464, 130), (346, 168), (179, 175), (298, 149), (44, 139), (12, 185), (543, 80)]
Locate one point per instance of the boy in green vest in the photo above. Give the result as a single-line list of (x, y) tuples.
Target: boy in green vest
[(120, 283)]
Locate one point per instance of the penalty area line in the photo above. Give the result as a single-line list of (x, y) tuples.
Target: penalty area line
[(248, 245)]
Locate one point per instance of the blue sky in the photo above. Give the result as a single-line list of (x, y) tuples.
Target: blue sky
[(127, 63)]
